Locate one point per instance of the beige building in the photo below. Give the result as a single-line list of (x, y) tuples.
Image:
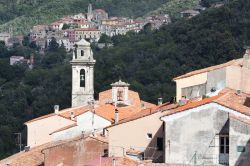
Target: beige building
[(140, 136), (233, 74), (87, 33)]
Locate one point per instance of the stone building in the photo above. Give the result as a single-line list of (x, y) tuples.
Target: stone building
[(92, 34), (212, 131), (205, 82)]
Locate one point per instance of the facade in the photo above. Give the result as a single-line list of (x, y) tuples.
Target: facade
[(92, 34), (212, 131), (82, 74), (99, 14), (141, 137), (76, 152), (16, 59), (233, 74), (63, 41), (189, 13), (5, 37), (38, 32)]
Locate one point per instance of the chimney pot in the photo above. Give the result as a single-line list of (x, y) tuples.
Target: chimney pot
[(159, 101), (238, 92), (56, 109)]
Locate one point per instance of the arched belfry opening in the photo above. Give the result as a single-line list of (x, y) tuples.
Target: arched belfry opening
[(82, 78), (82, 53)]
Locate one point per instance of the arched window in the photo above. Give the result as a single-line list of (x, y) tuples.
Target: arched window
[(82, 78), (82, 53)]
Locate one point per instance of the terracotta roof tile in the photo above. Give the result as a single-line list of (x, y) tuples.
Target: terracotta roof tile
[(236, 102), (227, 98), (35, 157), (208, 69), (146, 112), (191, 105), (64, 128), (65, 113)]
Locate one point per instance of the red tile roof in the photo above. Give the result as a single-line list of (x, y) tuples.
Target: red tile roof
[(146, 112), (86, 29), (227, 98), (35, 156)]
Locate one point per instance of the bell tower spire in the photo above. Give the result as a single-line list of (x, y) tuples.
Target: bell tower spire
[(82, 73)]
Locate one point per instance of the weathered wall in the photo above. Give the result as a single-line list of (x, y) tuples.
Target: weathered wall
[(133, 134), (87, 122), (239, 136), (193, 131), (238, 78), (216, 79), (189, 81), (233, 77), (39, 131), (246, 80), (75, 153)]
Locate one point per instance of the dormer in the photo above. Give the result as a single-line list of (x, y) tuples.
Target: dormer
[(120, 92)]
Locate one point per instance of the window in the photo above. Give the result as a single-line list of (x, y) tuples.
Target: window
[(149, 135), (119, 96), (82, 78), (82, 53), (224, 144), (159, 143), (105, 153)]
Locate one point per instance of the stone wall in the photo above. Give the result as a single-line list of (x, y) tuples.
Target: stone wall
[(75, 153)]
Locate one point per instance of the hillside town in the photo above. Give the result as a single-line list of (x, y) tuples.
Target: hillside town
[(207, 124), (90, 26)]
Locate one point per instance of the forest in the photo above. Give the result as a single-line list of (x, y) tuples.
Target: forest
[(147, 60)]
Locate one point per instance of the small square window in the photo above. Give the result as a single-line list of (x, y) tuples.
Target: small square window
[(149, 135)]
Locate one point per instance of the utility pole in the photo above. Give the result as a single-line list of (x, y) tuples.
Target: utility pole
[(19, 141)]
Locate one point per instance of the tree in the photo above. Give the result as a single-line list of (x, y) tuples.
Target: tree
[(53, 45), (65, 26)]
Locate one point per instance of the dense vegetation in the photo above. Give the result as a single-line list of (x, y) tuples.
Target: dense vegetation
[(23, 14), (148, 61), (174, 7)]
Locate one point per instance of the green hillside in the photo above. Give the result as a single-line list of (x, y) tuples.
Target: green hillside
[(148, 61), (174, 7), (23, 14)]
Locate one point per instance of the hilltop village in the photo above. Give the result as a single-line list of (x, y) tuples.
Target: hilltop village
[(207, 124), (90, 26)]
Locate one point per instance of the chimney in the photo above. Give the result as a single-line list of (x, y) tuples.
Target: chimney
[(238, 91), (246, 58), (159, 101), (72, 116), (183, 101), (116, 116), (113, 161), (56, 108)]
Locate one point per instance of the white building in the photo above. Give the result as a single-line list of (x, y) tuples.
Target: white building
[(5, 37), (16, 59)]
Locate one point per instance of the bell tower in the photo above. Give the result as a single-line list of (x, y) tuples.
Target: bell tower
[(82, 74)]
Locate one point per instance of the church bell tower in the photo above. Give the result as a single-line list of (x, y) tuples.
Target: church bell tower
[(82, 74)]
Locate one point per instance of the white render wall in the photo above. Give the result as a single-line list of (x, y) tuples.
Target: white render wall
[(86, 123)]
